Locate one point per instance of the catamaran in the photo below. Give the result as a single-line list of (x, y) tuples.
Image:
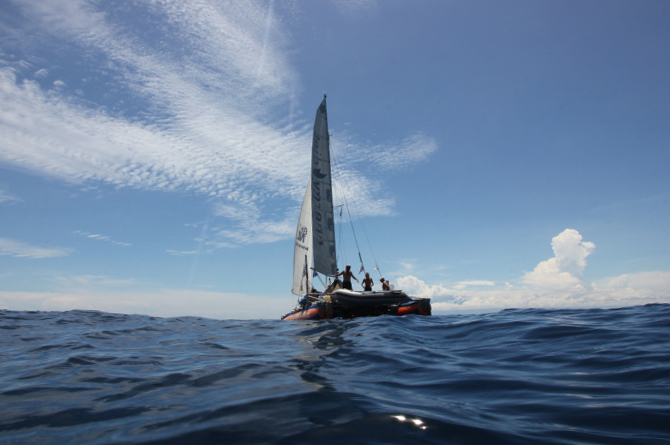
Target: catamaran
[(314, 251)]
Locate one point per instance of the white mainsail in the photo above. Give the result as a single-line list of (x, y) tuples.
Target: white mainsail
[(302, 252), (323, 222)]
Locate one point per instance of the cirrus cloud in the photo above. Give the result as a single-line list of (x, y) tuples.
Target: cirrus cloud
[(19, 249), (195, 99), (7, 197)]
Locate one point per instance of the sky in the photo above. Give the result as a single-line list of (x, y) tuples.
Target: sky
[(154, 154)]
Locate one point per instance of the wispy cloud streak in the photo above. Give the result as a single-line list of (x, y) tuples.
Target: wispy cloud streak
[(19, 249), (192, 98), (98, 237), (7, 197)]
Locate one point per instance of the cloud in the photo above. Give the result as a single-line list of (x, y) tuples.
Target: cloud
[(130, 296), (206, 126), (160, 303), (566, 269), (7, 197), (184, 252), (19, 249), (556, 282), (651, 283), (355, 7), (41, 73), (352, 160), (391, 155), (89, 281), (247, 225), (194, 98), (607, 294), (412, 150), (464, 284), (361, 194), (417, 287), (101, 238), (51, 135)]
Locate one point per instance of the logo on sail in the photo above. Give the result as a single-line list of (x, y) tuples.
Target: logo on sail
[(302, 234)]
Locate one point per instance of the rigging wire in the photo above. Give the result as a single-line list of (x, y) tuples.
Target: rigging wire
[(341, 250), (367, 239), (335, 164), (346, 204), (342, 253), (323, 283)]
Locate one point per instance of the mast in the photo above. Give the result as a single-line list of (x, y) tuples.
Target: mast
[(323, 222)]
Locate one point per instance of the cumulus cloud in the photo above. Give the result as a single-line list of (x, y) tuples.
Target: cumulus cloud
[(419, 288), (556, 282), (650, 283), (20, 249), (566, 269)]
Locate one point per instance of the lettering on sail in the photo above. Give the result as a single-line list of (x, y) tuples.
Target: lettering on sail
[(317, 176), (317, 214)]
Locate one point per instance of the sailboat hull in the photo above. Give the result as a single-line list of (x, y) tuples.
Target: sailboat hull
[(348, 304)]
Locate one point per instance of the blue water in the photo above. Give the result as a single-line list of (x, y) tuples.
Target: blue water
[(597, 376)]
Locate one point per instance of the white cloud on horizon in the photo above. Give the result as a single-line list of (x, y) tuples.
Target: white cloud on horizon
[(554, 283), (19, 249), (640, 288), (92, 281), (159, 303), (118, 295), (471, 283)]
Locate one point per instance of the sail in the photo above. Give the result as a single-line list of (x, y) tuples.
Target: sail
[(302, 252), (323, 222)]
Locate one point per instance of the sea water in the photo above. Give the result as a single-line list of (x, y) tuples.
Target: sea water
[(589, 376)]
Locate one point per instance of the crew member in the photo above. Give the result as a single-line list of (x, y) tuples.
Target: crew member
[(368, 283), (385, 284), (347, 275)]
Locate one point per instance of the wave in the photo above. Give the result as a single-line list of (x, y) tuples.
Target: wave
[(517, 376)]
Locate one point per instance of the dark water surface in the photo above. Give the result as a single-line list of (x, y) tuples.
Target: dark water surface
[(517, 376)]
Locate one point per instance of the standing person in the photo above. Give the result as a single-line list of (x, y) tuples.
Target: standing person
[(385, 284), (347, 275), (368, 283)]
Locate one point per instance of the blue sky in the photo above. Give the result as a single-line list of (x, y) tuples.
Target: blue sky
[(154, 154)]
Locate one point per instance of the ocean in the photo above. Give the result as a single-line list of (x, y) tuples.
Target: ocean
[(519, 376)]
